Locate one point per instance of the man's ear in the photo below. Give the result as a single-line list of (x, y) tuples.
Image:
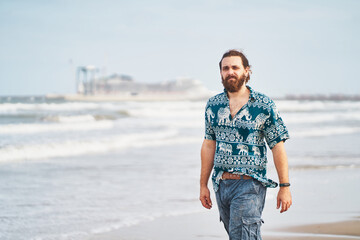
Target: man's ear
[(247, 71)]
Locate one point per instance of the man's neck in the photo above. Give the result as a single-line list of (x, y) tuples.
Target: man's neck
[(243, 92)]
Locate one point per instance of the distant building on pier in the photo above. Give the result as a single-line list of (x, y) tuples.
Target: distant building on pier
[(89, 82)]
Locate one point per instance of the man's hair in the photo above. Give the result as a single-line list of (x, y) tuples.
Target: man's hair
[(236, 53)]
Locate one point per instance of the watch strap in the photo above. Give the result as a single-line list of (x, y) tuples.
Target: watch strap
[(284, 185)]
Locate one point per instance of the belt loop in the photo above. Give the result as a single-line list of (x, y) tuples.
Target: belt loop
[(241, 177)]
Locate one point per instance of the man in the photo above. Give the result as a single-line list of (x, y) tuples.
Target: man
[(237, 121)]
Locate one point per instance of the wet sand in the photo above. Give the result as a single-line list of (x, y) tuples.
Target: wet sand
[(319, 212), (204, 226)]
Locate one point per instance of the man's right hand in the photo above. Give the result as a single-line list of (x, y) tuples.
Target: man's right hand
[(205, 197), (207, 162)]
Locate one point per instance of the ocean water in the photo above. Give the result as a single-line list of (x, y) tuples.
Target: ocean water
[(72, 169)]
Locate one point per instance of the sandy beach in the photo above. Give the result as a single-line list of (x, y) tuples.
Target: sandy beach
[(308, 218), (337, 230), (205, 226)]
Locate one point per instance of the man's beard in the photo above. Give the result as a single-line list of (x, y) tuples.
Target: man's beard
[(233, 85)]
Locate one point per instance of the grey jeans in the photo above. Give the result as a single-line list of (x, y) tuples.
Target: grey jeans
[(240, 204)]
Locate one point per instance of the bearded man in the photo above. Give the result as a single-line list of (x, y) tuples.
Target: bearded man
[(236, 151)]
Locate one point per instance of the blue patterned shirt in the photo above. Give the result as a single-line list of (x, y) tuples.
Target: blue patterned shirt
[(240, 145)]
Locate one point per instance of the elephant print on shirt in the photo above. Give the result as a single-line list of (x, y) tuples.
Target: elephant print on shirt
[(256, 151), (223, 116), (209, 114), (237, 119), (243, 149), (245, 113), (225, 148), (260, 120)]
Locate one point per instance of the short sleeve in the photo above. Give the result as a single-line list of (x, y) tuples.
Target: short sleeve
[(275, 129), (209, 118)]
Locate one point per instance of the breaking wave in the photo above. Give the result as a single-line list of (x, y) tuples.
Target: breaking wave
[(84, 147)]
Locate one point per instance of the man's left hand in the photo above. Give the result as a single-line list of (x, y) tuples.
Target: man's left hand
[(284, 199)]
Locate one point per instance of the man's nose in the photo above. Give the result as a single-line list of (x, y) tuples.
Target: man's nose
[(231, 71)]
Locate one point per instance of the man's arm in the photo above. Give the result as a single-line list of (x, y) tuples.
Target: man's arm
[(281, 164), (207, 163)]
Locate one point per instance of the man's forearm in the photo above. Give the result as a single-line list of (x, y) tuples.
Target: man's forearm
[(207, 161), (284, 199), (281, 162)]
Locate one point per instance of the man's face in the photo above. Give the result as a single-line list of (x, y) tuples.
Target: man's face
[(233, 74)]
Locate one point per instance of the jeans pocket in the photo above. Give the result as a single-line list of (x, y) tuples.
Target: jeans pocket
[(256, 185), (251, 228)]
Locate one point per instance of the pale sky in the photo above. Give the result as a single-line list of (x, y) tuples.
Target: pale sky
[(294, 47)]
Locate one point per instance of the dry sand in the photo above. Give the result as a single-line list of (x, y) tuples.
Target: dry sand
[(338, 230)]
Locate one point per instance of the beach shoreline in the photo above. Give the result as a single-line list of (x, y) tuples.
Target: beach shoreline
[(308, 218), (205, 225)]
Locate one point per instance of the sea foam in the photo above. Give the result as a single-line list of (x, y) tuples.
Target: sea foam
[(65, 125), (100, 145)]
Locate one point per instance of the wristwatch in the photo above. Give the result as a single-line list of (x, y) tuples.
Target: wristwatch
[(284, 185)]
